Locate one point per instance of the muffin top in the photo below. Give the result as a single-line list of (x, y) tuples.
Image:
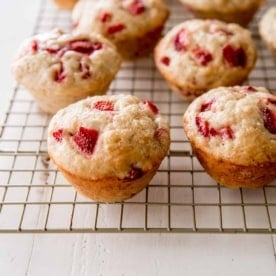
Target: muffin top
[(222, 5), (237, 124), (59, 62), (119, 20), (206, 54), (267, 26), (110, 136), (65, 4)]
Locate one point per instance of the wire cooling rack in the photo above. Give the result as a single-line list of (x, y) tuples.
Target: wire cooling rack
[(35, 198)]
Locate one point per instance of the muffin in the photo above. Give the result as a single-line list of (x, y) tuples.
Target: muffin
[(134, 26), (60, 68), (267, 29), (232, 131), (108, 147), (198, 55), (65, 4), (234, 11)]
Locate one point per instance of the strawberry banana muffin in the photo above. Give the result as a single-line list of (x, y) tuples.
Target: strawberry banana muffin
[(60, 68), (232, 131), (234, 11), (267, 29), (108, 147), (134, 26), (65, 4), (198, 55)]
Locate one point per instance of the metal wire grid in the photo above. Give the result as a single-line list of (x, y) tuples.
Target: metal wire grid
[(35, 198)]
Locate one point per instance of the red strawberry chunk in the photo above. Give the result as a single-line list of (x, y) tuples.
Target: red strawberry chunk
[(115, 28), (152, 107), (166, 60), (203, 126), (202, 56), (135, 173), (60, 75), (105, 16), (207, 106), (159, 132), (250, 88), (235, 57), (269, 118), (207, 131), (84, 68), (104, 105), (84, 46), (271, 101), (244, 89), (34, 46), (58, 135), (181, 41), (226, 132), (52, 51), (86, 139), (136, 7)]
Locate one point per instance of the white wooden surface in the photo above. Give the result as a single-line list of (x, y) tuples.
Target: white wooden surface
[(125, 254), (117, 254)]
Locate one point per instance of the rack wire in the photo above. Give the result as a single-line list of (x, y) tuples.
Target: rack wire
[(35, 198)]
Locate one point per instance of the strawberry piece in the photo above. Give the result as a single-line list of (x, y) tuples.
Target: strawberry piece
[(250, 88), (86, 139), (202, 56), (58, 135), (235, 57), (207, 106), (271, 101), (52, 51), (104, 105), (245, 89), (97, 46), (269, 118), (84, 68), (203, 126), (136, 7), (135, 173), (152, 107), (159, 132), (60, 74), (181, 41), (84, 46), (115, 28), (34, 46), (226, 132), (166, 60), (105, 16), (207, 131)]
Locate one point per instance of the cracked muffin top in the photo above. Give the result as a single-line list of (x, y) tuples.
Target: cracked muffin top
[(237, 124), (110, 136)]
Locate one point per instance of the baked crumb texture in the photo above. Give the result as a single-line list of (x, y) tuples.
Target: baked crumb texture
[(234, 11), (267, 29), (198, 55), (65, 4), (109, 147), (232, 131), (134, 26), (59, 68)]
